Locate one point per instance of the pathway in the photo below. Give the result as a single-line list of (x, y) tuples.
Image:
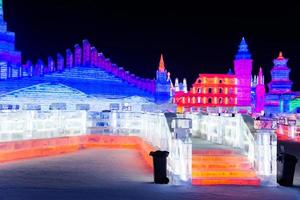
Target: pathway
[(109, 174)]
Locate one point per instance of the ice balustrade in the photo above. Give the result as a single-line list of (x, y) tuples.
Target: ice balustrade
[(225, 130), (154, 129), (23, 125), (258, 143), (86, 56)]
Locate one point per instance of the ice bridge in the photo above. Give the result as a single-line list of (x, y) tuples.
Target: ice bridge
[(82, 100), (204, 149)]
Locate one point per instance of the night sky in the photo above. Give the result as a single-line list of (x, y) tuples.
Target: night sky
[(193, 38)]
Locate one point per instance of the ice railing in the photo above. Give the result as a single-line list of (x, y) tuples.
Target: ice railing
[(224, 129), (259, 144), (153, 128), (177, 142), (247, 143), (32, 124)]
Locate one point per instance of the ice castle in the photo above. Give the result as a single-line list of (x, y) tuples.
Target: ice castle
[(80, 99), (240, 91), (82, 78)]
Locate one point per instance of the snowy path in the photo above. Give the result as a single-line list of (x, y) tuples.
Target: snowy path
[(109, 174)]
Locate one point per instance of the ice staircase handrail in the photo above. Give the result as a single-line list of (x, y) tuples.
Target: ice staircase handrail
[(250, 140)]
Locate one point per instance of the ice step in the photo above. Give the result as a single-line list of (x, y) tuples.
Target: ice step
[(219, 158), (213, 152), (226, 181), (223, 173), (221, 165)]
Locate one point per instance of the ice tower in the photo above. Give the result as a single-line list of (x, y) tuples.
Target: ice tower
[(163, 83), (280, 88), (260, 93), (280, 83), (10, 59), (243, 70)]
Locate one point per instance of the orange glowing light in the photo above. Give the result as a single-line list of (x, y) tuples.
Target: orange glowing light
[(26, 149), (226, 100), (223, 181)]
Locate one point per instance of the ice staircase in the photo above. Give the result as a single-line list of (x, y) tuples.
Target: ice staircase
[(89, 80), (222, 167)]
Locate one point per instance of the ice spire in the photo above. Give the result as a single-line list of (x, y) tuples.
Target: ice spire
[(184, 84), (280, 61), (169, 76), (230, 72), (260, 77), (176, 85), (161, 66), (260, 92), (243, 52), (280, 56)]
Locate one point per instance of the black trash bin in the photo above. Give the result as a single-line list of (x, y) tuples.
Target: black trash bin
[(286, 164), (160, 166)]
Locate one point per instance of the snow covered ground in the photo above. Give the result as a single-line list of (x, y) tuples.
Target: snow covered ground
[(110, 174)]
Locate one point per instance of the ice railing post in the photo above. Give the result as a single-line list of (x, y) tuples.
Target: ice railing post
[(266, 151), (181, 153)]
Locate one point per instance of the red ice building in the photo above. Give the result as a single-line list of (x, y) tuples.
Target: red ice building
[(221, 92), (209, 90)]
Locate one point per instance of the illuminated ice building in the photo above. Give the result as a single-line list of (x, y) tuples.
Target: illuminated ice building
[(224, 92), (10, 59), (239, 91), (280, 88), (82, 78)]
